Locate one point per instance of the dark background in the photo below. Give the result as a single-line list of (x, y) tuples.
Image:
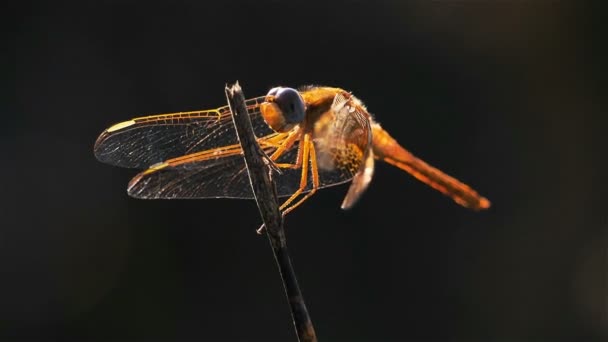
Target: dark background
[(507, 96)]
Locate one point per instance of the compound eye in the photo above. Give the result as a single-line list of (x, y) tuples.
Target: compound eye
[(290, 103), (273, 91)]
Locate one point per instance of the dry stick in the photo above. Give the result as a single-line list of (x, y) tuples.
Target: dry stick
[(259, 168)]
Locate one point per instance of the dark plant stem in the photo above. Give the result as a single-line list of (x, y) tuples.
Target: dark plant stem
[(260, 169)]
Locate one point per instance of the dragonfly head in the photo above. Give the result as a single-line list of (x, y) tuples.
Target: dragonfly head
[(283, 109)]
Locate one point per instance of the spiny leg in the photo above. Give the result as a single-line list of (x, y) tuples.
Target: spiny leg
[(302, 159), (305, 148), (285, 145), (315, 179), (288, 144)]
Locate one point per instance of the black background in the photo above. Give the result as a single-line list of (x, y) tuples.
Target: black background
[(507, 96)]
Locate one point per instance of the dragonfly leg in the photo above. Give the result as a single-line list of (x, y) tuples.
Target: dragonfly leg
[(285, 145), (304, 150), (287, 165), (315, 179)]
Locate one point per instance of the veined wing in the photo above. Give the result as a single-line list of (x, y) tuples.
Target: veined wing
[(212, 173), (343, 146), (144, 141), (341, 137)]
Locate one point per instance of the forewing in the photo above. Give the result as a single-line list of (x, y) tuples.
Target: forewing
[(144, 141)]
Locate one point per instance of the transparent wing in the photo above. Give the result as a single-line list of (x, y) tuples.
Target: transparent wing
[(342, 138), (343, 143), (222, 177), (144, 141), (215, 173)]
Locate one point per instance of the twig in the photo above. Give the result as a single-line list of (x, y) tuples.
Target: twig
[(259, 168)]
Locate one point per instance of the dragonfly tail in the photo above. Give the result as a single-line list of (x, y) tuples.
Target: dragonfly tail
[(388, 150)]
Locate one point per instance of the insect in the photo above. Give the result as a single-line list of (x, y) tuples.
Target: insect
[(317, 136)]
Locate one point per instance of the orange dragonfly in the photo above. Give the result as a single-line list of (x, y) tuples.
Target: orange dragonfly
[(317, 136)]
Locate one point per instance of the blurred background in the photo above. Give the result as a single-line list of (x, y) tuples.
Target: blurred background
[(507, 96)]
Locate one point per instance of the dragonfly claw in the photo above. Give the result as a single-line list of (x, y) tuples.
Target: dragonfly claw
[(263, 226), (272, 165)]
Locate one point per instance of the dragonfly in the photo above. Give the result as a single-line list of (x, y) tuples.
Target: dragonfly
[(316, 136)]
